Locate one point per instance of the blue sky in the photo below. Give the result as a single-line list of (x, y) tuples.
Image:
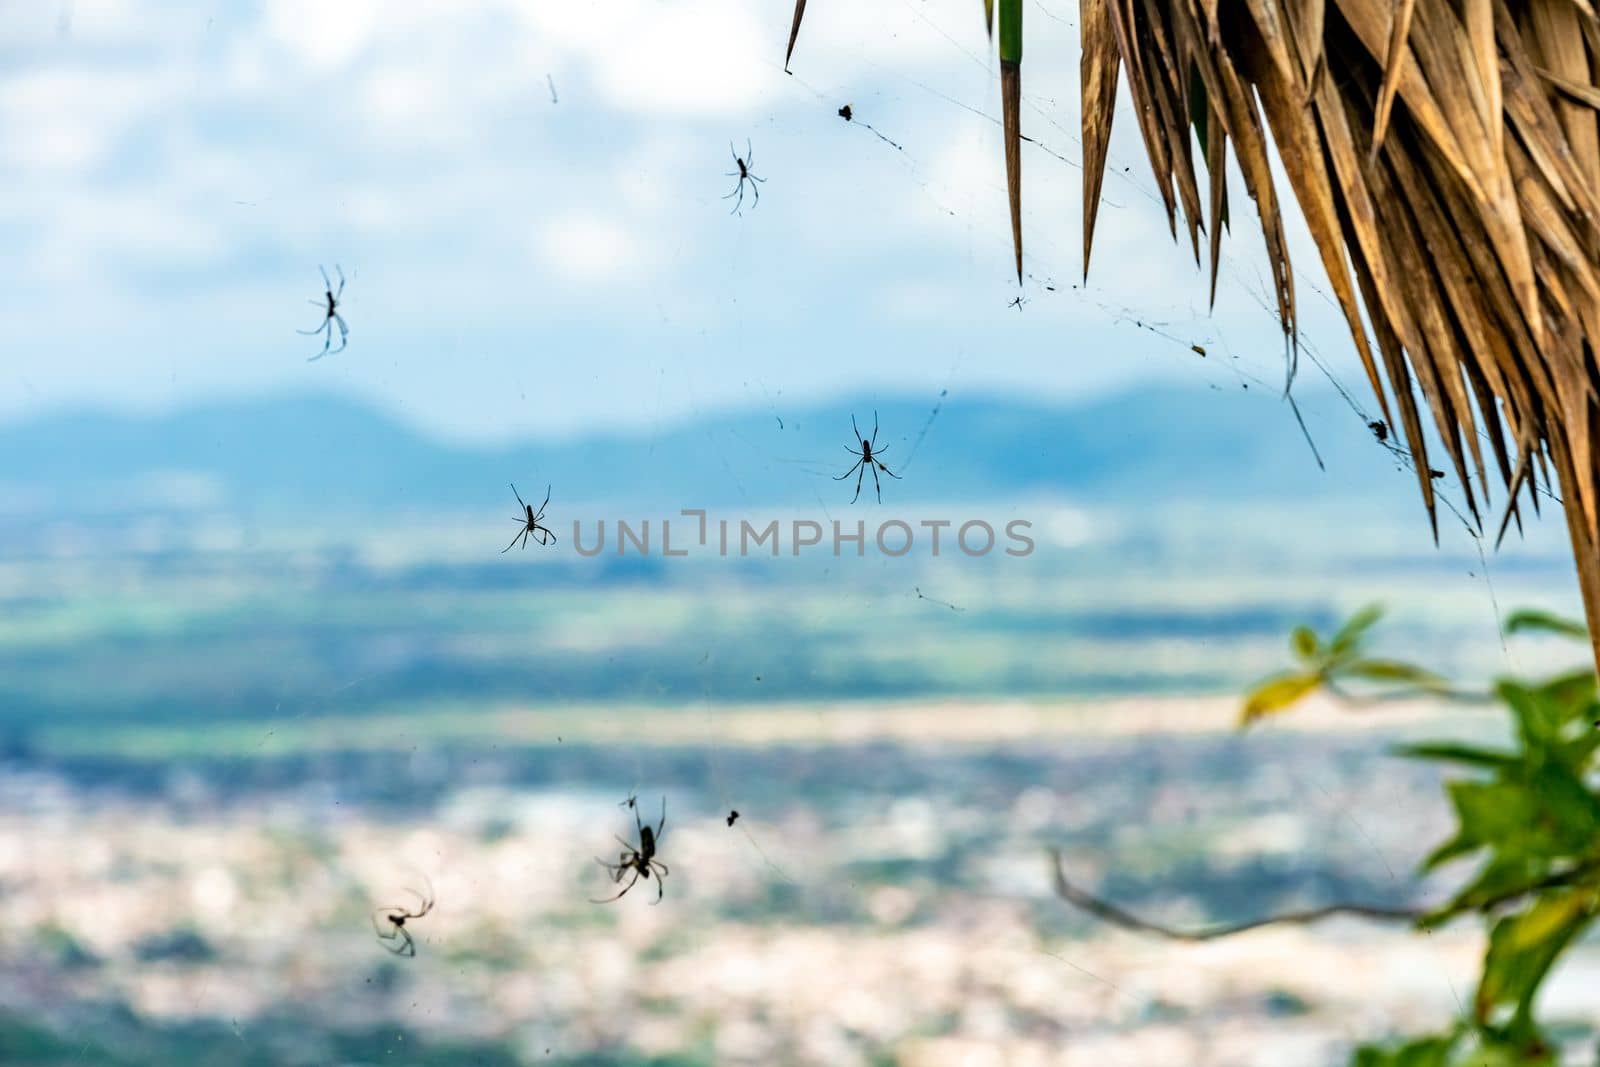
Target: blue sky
[(175, 173)]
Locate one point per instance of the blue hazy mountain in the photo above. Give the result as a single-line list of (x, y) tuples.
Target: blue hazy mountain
[(303, 454)]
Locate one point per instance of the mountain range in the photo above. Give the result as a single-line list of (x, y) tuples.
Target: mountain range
[(299, 454)]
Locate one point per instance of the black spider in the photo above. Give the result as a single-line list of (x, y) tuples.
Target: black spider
[(396, 938), (733, 817), (531, 523), (641, 861), (1379, 430), (331, 316), (868, 460), (744, 174)]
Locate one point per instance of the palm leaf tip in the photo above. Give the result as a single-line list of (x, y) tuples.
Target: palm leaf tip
[(794, 32), (1011, 105)]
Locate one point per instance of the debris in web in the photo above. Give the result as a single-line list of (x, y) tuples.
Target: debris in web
[(926, 426), (933, 600), (848, 114)]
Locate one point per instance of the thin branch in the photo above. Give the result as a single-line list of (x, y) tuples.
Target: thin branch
[(1110, 913), (1577, 875)]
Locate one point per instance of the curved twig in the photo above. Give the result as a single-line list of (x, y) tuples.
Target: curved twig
[(1110, 913)]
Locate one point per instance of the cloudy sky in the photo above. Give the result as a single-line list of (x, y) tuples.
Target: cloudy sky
[(527, 199)]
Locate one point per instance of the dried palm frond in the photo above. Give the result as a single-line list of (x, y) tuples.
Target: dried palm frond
[(1446, 157)]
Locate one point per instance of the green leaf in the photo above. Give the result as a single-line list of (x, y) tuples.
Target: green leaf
[(1389, 670), (1527, 619), (1277, 693), (1350, 634), (1457, 753), (1522, 949), (1546, 714), (1422, 1052), (1303, 643)]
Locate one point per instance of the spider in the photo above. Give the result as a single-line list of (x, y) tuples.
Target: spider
[(867, 460), (1017, 303), (640, 861), (331, 316), (531, 523), (744, 174), (1379, 430), (396, 938), (733, 817)]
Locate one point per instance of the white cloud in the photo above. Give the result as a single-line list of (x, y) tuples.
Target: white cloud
[(591, 248), (326, 36)]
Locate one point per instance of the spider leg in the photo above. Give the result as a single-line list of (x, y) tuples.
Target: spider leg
[(754, 188), (517, 495), (877, 484), (738, 203), (662, 825), (544, 536), (749, 155), (327, 343), (849, 472), (546, 500), (406, 946), (664, 868), (340, 271), (860, 476), (326, 284), (323, 325), (855, 429), (344, 330), (425, 901), (874, 429), (887, 471), (512, 545), (620, 895)]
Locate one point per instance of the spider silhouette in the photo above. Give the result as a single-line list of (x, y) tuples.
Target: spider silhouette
[(331, 317), (395, 937), (640, 861), (531, 523), (744, 174), (867, 459)]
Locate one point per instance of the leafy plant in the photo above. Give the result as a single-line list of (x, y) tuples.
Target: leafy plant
[(1529, 814)]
